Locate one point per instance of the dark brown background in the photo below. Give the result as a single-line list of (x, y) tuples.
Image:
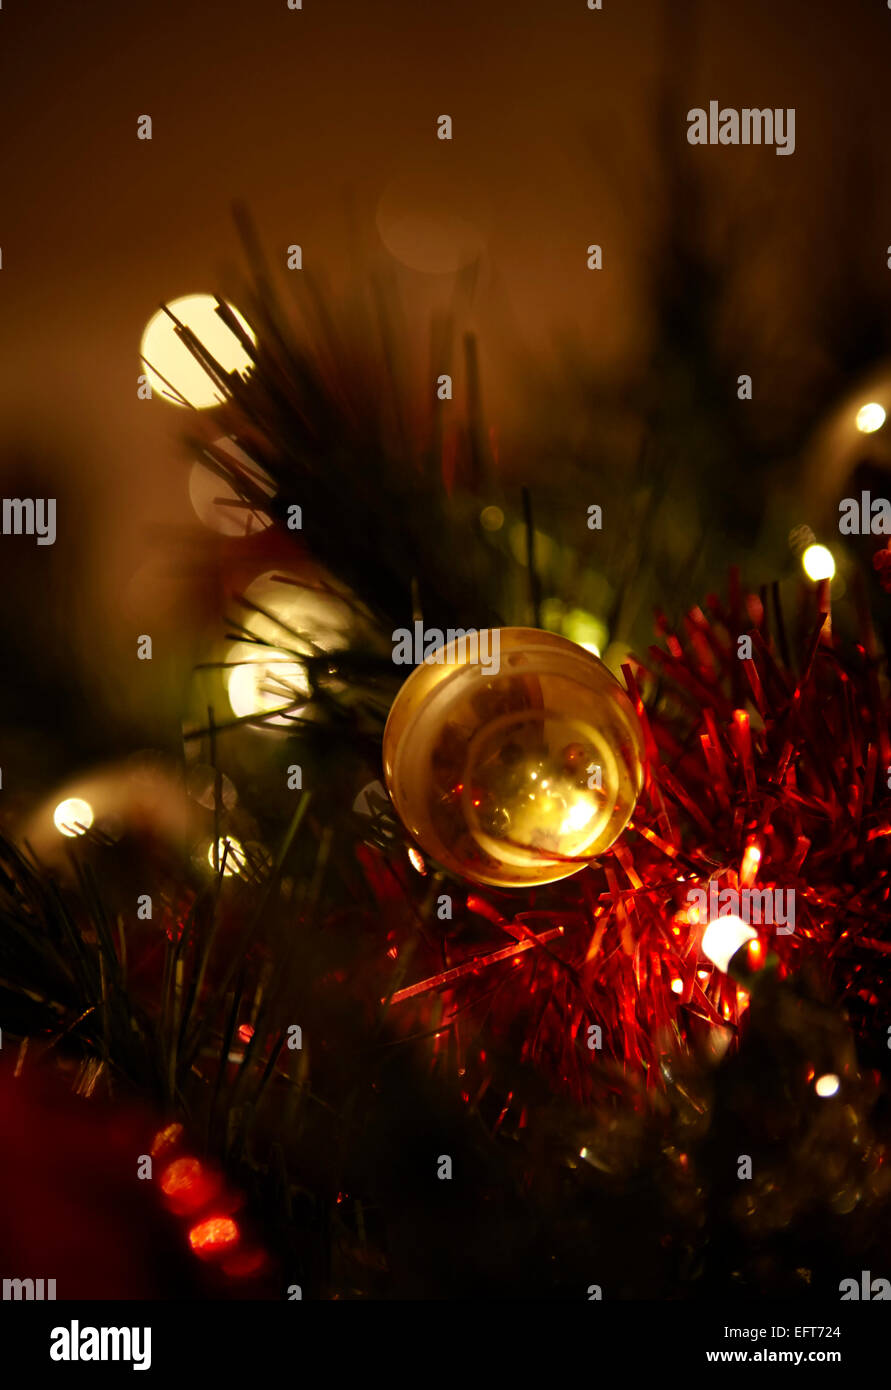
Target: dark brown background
[(324, 120)]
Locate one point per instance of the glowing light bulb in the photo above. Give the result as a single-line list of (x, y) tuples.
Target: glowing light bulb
[(870, 417), (827, 1085), (260, 686), (235, 860), (677, 985), (818, 563), (73, 817), (172, 370), (723, 937)]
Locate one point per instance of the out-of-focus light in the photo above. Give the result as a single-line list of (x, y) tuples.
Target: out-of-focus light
[(870, 417), (827, 1085), (218, 505), (246, 1032), (165, 355), (188, 1185), (431, 221), (491, 518), (577, 817), (723, 937), (818, 563), (748, 870), (218, 1235), (677, 985), (73, 817), (235, 858), (583, 628), (416, 859), (165, 1140), (257, 686)]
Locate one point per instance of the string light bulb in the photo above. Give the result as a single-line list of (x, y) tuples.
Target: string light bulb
[(723, 937), (818, 563), (870, 417)]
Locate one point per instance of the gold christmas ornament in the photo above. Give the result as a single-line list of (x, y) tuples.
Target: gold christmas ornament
[(519, 771)]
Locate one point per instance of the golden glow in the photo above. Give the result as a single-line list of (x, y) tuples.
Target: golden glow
[(677, 985), (166, 1139), (264, 680), (818, 563), (723, 937), (165, 355), (749, 868), (586, 630), (429, 221), (827, 1085), (217, 1235), (73, 817), (286, 621), (577, 817), (870, 418), (491, 518), (218, 505), (236, 860), (416, 859)]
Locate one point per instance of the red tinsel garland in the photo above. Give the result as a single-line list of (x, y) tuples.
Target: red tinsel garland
[(758, 778)]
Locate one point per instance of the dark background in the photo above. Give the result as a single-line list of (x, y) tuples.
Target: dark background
[(569, 128)]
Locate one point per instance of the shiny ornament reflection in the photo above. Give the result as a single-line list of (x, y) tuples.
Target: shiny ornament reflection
[(520, 777)]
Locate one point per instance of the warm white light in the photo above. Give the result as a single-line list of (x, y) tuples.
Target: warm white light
[(235, 860), (818, 562), (216, 502), (827, 1085), (723, 937), (577, 817), (264, 680), (677, 985), (288, 622), (165, 355), (73, 817), (870, 417)]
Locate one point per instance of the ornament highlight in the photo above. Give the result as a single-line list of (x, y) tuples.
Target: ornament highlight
[(520, 777)]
